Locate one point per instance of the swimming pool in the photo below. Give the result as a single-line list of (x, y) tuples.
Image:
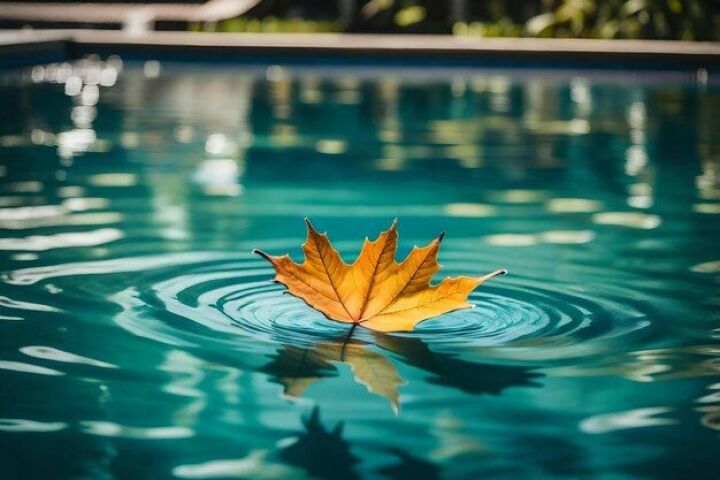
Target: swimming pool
[(142, 339)]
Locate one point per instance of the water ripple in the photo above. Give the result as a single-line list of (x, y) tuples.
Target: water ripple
[(236, 304), (214, 299)]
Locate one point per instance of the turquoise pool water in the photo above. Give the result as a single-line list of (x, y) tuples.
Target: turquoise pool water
[(140, 338)]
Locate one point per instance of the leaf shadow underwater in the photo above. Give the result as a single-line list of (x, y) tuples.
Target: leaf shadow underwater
[(323, 453), (296, 368), (317, 452)]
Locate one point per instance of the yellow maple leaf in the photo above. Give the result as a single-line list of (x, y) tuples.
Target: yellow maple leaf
[(375, 291)]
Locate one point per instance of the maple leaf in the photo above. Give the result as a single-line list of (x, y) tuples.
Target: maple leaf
[(375, 291)]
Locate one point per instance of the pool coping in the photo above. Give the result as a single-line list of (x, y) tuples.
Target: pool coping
[(28, 47)]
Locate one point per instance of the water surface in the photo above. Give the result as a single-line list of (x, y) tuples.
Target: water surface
[(140, 338)]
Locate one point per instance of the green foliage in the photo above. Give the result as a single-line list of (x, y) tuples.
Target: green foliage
[(271, 25), (655, 19), (646, 19)]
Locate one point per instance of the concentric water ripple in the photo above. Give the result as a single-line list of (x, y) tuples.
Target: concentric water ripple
[(234, 304)]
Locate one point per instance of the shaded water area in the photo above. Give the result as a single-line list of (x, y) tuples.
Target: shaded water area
[(140, 338)]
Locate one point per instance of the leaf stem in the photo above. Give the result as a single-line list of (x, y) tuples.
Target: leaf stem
[(347, 340)]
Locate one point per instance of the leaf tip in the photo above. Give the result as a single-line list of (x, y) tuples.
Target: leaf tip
[(496, 273), (309, 224), (262, 254)]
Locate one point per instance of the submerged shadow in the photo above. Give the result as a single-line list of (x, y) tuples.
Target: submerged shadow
[(321, 452), (317, 452)]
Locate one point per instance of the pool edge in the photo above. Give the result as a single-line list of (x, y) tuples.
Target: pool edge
[(22, 48)]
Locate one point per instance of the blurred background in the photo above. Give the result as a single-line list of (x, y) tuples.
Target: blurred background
[(610, 19)]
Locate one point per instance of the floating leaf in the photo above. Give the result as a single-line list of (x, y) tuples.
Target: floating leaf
[(375, 291)]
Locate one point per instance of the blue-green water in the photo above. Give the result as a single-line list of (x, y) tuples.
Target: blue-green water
[(139, 338)]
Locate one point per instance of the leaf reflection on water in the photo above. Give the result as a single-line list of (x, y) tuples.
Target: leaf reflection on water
[(296, 368), (450, 371)]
